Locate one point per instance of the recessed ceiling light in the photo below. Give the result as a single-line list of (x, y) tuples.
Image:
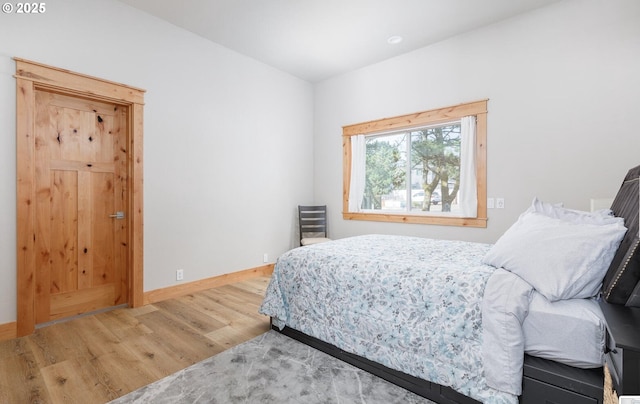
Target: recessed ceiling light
[(394, 39)]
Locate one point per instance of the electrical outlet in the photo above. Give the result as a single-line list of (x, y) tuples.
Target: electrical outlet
[(179, 274), (500, 203), (265, 258)]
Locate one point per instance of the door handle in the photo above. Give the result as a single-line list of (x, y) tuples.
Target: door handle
[(118, 215)]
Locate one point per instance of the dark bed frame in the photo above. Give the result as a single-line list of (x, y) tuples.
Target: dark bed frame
[(544, 381)]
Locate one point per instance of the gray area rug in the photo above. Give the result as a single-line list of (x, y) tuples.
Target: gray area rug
[(272, 368)]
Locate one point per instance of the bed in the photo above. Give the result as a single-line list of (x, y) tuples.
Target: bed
[(462, 322)]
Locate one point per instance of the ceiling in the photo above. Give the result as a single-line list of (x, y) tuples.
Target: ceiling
[(318, 39)]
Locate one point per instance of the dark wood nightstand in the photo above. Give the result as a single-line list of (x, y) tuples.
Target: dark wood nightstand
[(623, 362)]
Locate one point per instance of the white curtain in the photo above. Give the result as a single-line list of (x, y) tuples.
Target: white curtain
[(468, 194), (358, 159)]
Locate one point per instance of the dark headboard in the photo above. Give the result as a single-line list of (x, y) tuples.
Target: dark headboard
[(621, 284)]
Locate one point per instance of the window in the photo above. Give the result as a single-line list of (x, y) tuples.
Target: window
[(416, 170), (428, 167)]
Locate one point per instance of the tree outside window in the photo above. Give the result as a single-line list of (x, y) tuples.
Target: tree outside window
[(416, 170)]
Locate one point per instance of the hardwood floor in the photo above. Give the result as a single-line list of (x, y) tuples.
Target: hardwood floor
[(97, 358)]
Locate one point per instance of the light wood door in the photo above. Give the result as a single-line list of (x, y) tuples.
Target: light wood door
[(56, 167), (80, 182)]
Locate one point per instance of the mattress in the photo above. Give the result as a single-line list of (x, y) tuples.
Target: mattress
[(566, 331)]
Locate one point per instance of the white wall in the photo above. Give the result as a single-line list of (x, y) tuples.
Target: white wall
[(227, 141), (563, 85)]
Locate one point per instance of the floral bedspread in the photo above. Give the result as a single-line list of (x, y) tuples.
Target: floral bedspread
[(409, 303)]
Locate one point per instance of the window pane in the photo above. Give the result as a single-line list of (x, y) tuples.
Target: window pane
[(385, 169), (416, 171), (435, 169)]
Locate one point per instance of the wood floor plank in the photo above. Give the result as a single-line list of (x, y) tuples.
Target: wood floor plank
[(184, 340), (122, 324), (97, 358), (54, 344), (156, 356), (122, 370), (226, 302), (138, 311), (255, 286), (75, 381), (12, 347), (199, 321), (207, 304), (230, 336), (241, 296), (96, 339), (21, 369)]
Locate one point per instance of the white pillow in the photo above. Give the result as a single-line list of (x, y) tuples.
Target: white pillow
[(603, 216), (544, 207), (561, 259)]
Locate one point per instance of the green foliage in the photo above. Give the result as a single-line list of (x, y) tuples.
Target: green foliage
[(436, 151), (435, 157), (385, 171)]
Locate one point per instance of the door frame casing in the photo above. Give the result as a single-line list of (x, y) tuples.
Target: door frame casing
[(31, 77)]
